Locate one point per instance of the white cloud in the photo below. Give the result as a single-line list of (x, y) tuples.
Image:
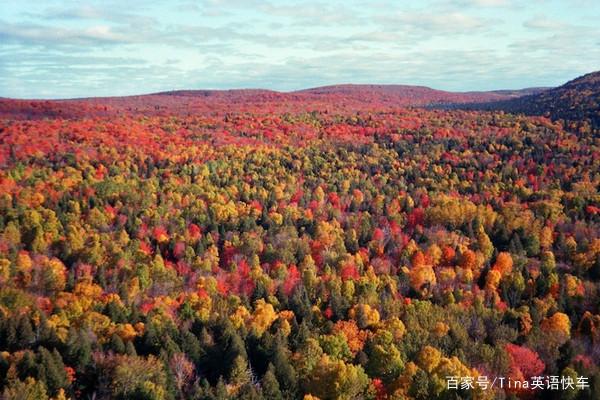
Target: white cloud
[(434, 24), (543, 23), (44, 34)]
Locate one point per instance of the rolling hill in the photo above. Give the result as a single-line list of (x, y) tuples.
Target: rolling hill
[(185, 102), (410, 95), (577, 102)]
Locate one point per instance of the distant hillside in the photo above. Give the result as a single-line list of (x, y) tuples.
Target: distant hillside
[(187, 102), (408, 95), (577, 102), (228, 95), (400, 95), (521, 92)]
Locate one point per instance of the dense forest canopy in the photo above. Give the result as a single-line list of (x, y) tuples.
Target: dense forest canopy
[(304, 249)]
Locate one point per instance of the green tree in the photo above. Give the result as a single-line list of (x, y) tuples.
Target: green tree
[(269, 384), (385, 360)]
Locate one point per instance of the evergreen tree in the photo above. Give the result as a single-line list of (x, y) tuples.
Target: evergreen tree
[(116, 344), (79, 349), (51, 370), (270, 386)]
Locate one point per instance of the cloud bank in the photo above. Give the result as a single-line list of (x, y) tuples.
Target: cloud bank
[(71, 49)]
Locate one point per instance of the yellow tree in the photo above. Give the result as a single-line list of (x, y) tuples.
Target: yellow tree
[(558, 325)]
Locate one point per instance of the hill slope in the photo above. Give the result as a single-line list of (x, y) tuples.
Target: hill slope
[(409, 95), (577, 102)]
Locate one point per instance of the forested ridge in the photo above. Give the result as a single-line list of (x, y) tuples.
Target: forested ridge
[(576, 103)]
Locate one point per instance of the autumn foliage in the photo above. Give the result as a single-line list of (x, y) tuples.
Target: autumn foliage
[(254, 245)]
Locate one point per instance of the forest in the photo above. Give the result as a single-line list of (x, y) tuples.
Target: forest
[(191, 246)]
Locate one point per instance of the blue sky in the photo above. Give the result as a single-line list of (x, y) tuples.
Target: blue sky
[(60, 49)]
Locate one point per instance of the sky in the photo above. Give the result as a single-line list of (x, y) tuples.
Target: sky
[(65, 49)]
